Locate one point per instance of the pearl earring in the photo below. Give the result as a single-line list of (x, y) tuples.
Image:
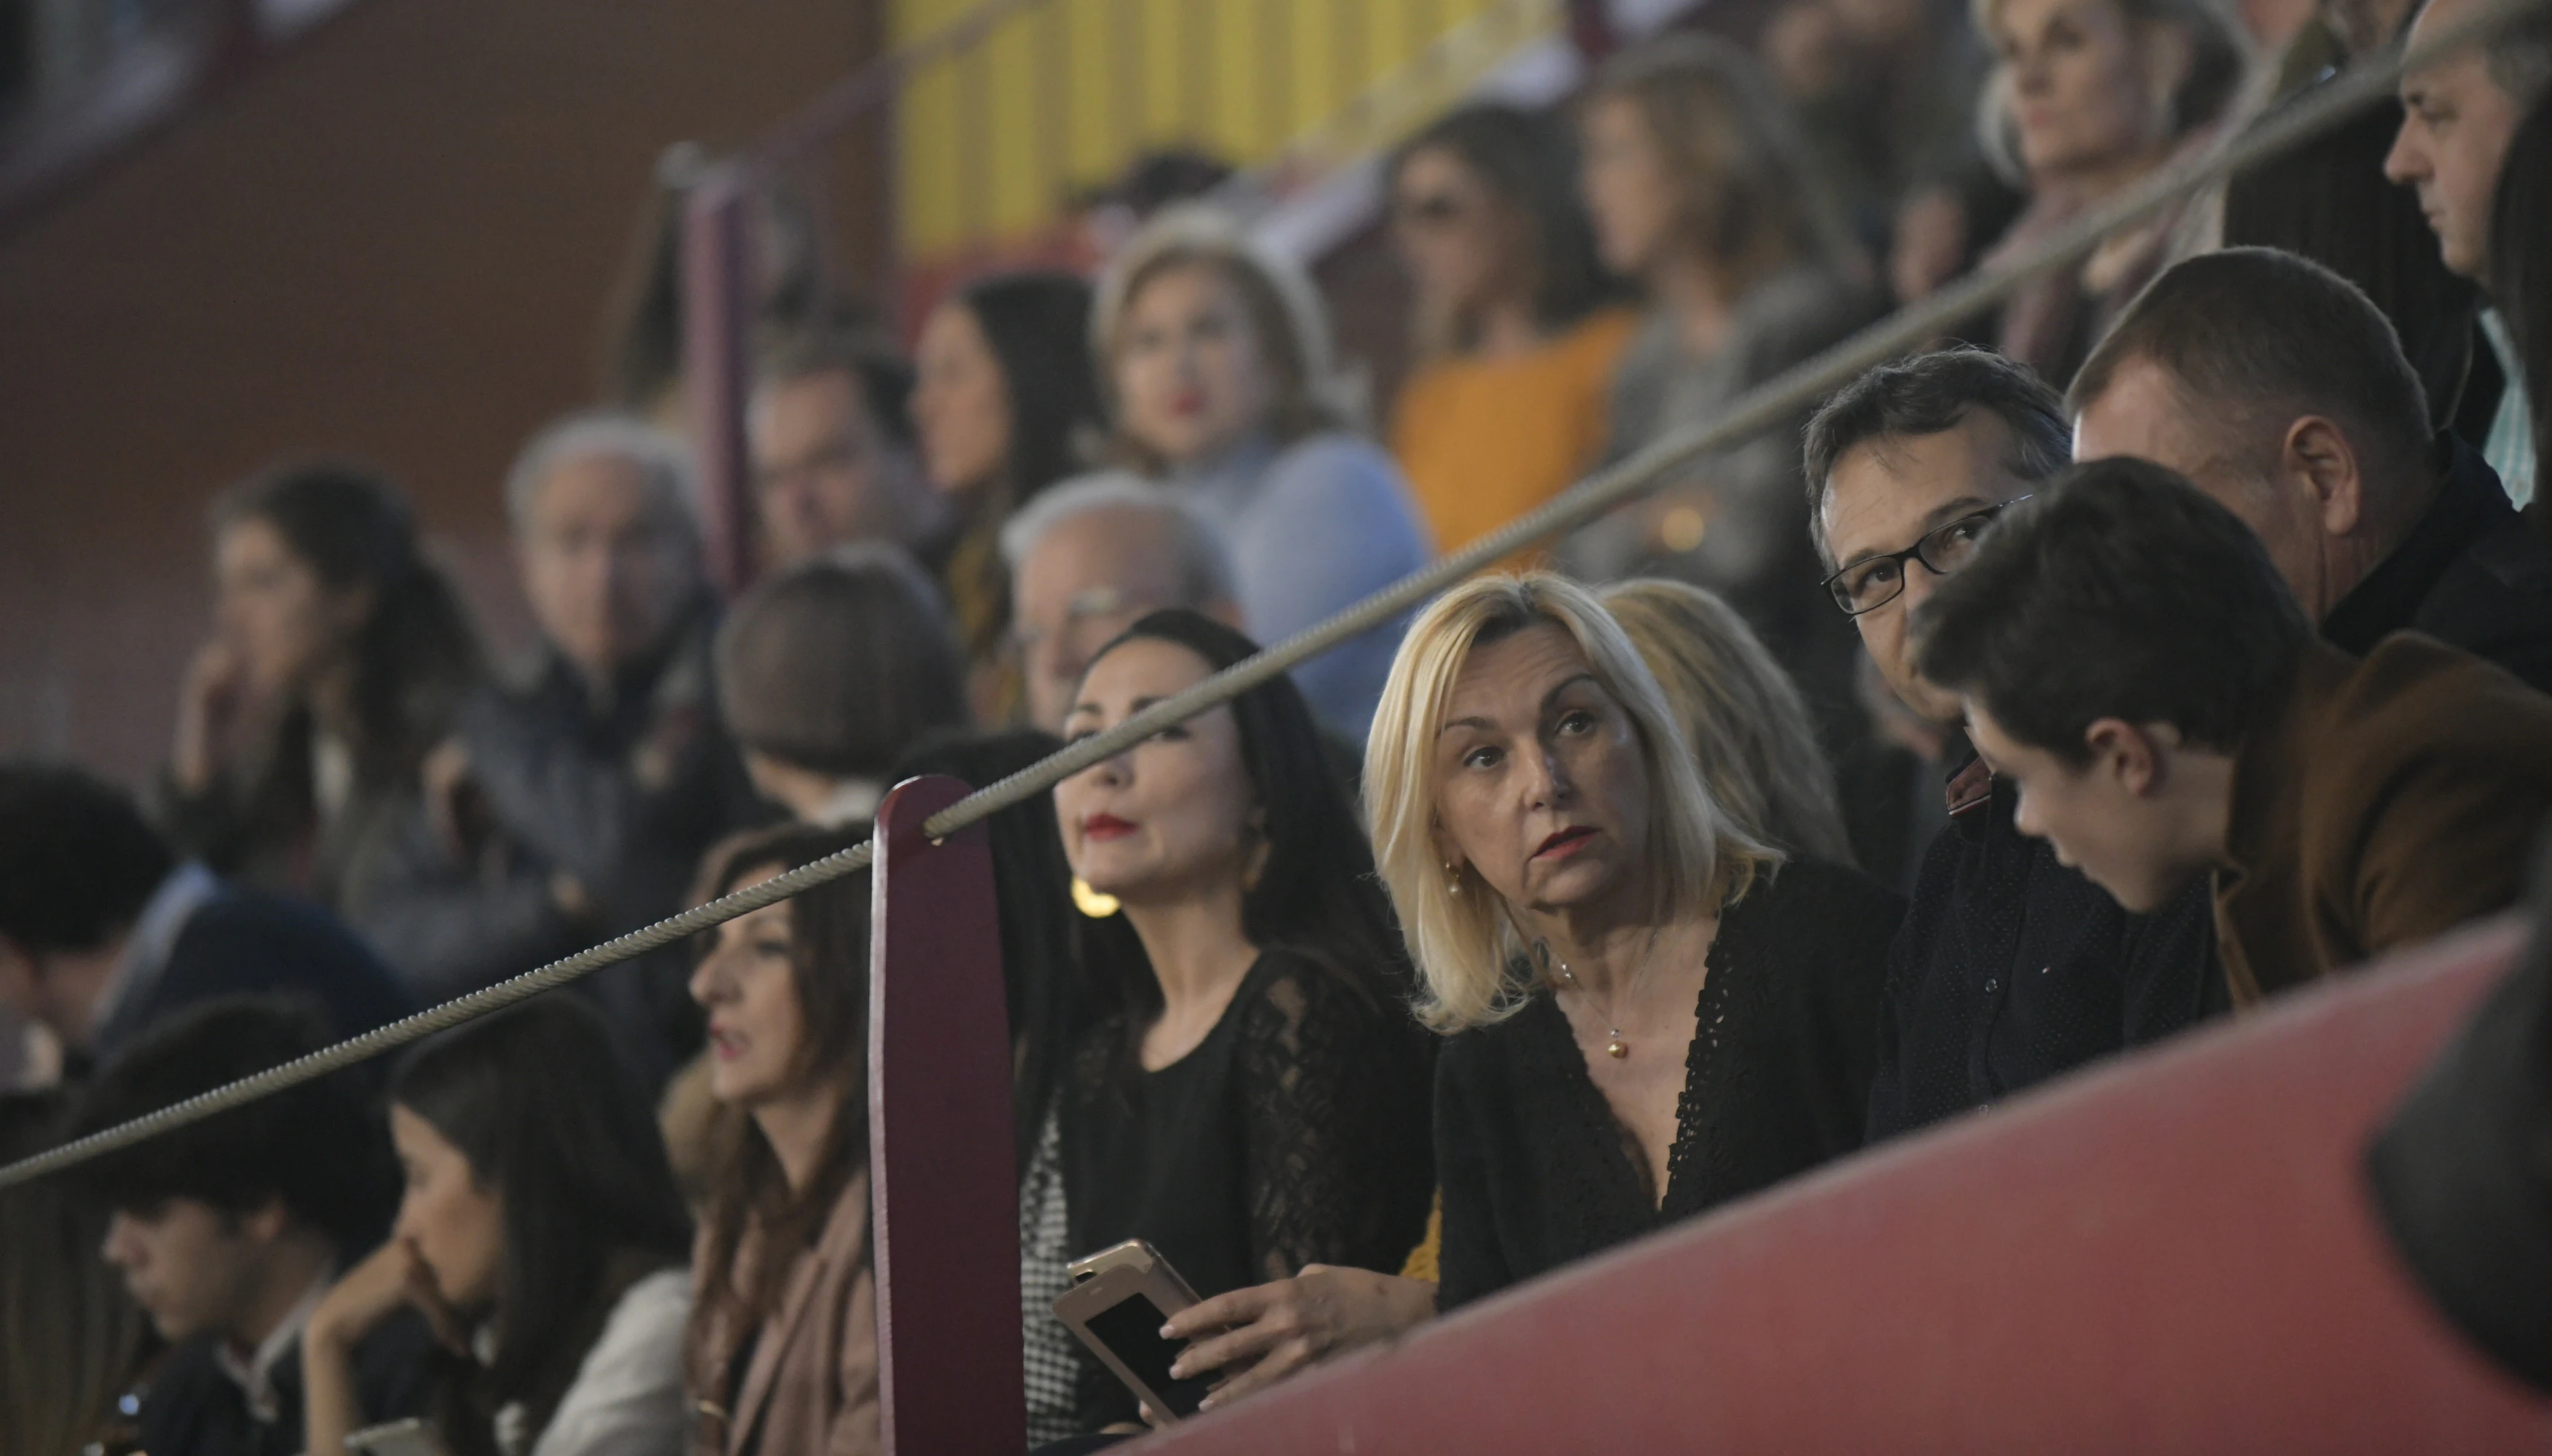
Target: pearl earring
[(1453, 877)]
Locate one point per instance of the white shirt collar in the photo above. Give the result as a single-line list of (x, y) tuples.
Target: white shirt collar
[(254, 1375), (853, 799)]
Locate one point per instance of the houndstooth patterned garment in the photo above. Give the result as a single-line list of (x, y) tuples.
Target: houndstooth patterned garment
[(1050, 1356)]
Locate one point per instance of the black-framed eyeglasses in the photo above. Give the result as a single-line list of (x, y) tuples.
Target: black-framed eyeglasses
[(1874, 582)]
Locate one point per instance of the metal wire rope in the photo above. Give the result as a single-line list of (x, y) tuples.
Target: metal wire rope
[(1759, 409)]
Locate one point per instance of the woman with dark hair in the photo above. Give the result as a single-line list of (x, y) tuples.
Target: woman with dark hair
[(783, 1350), (1514, 342), (2520, 280), (1048, 1011), (1005, 402), (541, 1236), (1253, 1097), (339, 657)]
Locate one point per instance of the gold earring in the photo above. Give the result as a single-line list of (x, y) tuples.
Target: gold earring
[(1089, 901), (1452, 878)]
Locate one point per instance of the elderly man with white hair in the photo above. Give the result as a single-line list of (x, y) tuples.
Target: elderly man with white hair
[(579, 795), (1088, 559)]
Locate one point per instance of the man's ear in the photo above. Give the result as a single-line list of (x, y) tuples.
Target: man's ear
[(2125, 753), (265, 1222), (2318, 455)]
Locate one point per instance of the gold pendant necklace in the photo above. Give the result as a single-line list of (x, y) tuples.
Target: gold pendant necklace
[(1617, 1048)]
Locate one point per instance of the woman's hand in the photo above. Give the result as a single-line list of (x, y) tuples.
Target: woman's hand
[(362, 1298), (1269, 1332), (371, 1292), (210, 702)]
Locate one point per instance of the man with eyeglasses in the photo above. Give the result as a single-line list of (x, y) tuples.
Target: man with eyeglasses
[(2010, 967)]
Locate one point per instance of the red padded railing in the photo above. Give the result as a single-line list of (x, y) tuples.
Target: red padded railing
[(944, 1197), (2174, 1252)]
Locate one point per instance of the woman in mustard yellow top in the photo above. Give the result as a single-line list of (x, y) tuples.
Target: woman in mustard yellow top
[(1515, 341)]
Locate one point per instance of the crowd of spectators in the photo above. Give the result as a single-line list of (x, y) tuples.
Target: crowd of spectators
[(2181, 641)]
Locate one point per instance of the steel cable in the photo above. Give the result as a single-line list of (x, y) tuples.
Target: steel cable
[(1758, 409)]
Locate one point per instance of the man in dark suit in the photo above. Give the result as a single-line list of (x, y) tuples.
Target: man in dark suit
[(230, 1230), (2130, 655), (103, 931), (2280, 390)]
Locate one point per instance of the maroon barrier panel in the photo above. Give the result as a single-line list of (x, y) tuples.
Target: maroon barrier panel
[(2174, 1252), (718, 290), (946, 1196)]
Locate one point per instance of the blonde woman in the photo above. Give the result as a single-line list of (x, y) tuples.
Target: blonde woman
[(1217, 360), (1759, 766), (1649, 1012), (1758, 754), (2086, 99)]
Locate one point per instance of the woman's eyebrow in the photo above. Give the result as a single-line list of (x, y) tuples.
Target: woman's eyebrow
[(1563, 685)]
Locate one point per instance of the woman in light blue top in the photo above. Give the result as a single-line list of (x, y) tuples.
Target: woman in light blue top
[(1216, 357)]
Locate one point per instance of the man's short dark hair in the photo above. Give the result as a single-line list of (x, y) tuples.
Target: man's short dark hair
[(2253, 338), (885, 380), (2121, 592), (1930, 393), (320, 1147), (78, 860)]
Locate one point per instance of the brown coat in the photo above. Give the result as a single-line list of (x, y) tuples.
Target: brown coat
[(2388, 799), (813, 1382)]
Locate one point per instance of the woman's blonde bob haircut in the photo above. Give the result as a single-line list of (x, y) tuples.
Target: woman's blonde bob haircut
[(1284, 308), (1469, 953), (1748, 727)]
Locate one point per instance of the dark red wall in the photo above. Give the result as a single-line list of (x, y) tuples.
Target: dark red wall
[(394, 241)]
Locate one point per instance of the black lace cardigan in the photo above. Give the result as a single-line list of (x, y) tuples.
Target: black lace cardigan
[(1294, 1133), (1537, 1173)]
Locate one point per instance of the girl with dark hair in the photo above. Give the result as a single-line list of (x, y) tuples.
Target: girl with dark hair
[(541, 1236), (1514, 342), (340, 657), (1252, 1096), (1005, 401), (783, 1350)]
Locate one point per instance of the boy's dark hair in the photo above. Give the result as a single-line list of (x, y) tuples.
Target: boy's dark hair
[(2255, 337), (2121, 592), (884, 378), (320, 1147), (78, 860), (1930, 393)]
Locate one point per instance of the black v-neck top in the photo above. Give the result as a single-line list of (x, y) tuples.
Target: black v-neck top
[(1537, 1173)]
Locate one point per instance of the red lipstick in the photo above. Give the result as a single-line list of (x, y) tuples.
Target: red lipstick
[(1106, 826), (1563, 843)]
